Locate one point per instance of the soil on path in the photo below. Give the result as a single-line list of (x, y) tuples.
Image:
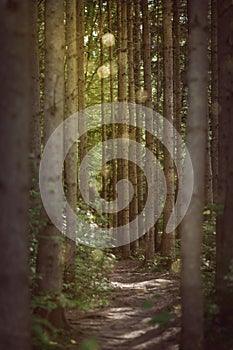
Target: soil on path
[(137, 298)]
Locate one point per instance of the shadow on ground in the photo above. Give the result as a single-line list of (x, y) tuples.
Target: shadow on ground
[(137, 298)]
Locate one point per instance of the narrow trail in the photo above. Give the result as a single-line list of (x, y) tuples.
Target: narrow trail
[(137, 297)]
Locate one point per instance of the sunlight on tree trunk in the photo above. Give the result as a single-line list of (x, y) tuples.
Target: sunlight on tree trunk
[(49, 259)]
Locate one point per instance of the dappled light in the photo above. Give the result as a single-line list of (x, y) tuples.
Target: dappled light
[(108, 39)]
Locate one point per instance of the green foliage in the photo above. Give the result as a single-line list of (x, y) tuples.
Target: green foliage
[(43, 333), (89, 287), (147, 304), (162, 319), (209, 248), (90, 344)]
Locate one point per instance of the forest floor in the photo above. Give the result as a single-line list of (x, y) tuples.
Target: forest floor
[(138, 297)]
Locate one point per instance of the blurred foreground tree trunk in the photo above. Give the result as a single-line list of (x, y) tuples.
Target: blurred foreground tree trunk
[(225, 191), (191, 227), (15, 102)]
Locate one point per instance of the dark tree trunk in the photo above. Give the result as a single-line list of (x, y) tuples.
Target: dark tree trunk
[(15, 102)]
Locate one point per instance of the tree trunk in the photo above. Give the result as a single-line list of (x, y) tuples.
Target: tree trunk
[(15, 102), (137, 83), (146, 54), (191, 227), (123, 216), (159, 93), (81, 87), (133, 209), (168, 239), (71, 166), (49, 260), (104, 129), (177, 89), (214, 100), (224, 227), (112, 217), (35, 124)]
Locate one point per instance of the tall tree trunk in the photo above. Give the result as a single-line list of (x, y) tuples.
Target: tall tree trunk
[(168, 239), (112, 217), (222, 145), (214, 100), (146, 54), (133, 209), (71, 92), (104, 128), (49, 261), (177, 88), (81, 86), (224, 224), (123, 216), (35, 125), (159, 92), (137, 83), (15, 102), (191, 227)]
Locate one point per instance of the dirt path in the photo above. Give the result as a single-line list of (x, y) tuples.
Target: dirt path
[(125, 323)]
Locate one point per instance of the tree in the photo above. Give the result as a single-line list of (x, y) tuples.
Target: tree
[(81, 86), (15, 102), (137, 84), (224, 228), (113, 127), (122, 169), (35, 122), (177, 85), (133, 209), (214, 100), (104, 129), (49, 260), (71, 166), (191, 227), (146, 54), (168, 239)]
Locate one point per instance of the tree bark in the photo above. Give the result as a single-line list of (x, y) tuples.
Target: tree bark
[(225, 190), (15, 102), (49, 260), (214, 100), (196, 140), (133, 209), (139, 124), (112, 217), (146, 54), (81, 86), (71, 161), (168, 239), (123, 216)]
